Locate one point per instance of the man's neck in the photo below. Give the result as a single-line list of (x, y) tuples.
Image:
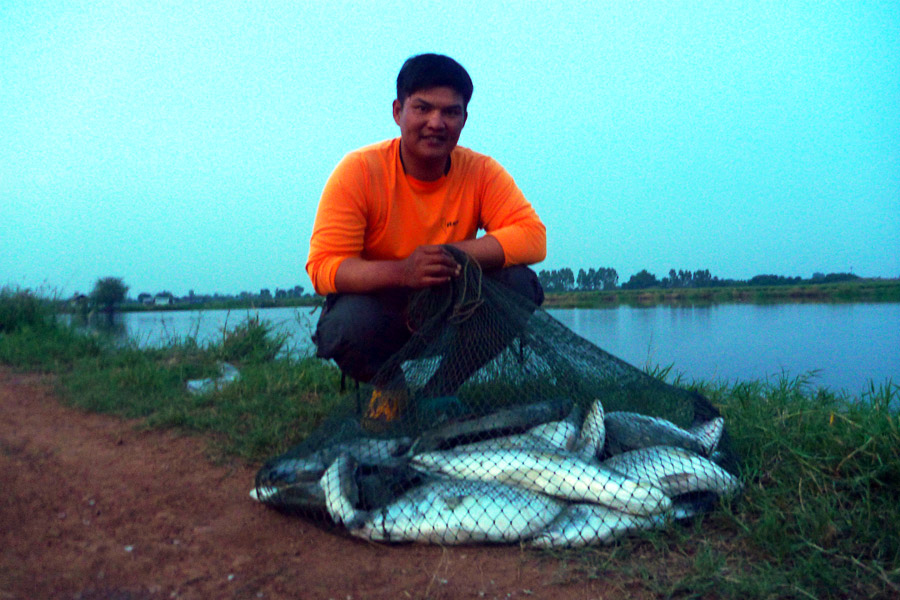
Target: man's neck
[(427, 171)]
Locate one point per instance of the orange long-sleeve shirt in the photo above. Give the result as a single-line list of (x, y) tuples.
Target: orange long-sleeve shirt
[(372, 210)]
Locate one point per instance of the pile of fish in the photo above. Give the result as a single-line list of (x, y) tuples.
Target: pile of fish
[(583, 479)]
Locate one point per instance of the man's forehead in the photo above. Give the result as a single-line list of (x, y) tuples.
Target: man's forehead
[(438, 96)]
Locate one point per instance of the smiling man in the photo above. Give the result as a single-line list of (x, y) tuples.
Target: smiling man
[(388, 209)]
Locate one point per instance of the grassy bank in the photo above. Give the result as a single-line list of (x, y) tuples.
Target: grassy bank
[(865, 290), (820, 516)]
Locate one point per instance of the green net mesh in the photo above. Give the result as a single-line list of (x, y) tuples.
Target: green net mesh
[(496, 423)]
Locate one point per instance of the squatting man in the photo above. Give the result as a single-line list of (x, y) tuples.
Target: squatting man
[(388, 210)]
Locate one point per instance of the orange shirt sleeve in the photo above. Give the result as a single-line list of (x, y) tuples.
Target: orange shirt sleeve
[(339, 228), (510, 218)]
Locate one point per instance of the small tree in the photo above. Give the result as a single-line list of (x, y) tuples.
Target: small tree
[(641, 280), (108, 292)]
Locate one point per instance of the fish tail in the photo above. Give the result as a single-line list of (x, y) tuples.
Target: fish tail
[(708, 434)]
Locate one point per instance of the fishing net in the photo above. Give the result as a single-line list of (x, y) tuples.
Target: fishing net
[(508, 427)]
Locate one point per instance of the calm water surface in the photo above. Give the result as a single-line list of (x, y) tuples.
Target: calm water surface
[(847, 345)]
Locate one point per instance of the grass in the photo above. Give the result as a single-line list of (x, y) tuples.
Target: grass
[(819, 516)]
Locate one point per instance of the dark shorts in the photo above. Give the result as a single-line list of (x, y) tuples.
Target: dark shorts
[(361, 331)]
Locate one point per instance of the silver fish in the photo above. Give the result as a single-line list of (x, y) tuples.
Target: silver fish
[(556, 435), (261, 494), (563, 475), (587, 524), (341, 492), (593, 432), (561, 434), (510, 442), (674, 470), (301, 493), (499, 422), (367, 450), (447, 511), (630, 431)]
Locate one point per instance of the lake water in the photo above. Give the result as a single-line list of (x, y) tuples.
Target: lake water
[(848, 345)]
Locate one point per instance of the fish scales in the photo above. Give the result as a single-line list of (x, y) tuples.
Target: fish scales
[(584, 524), (448, 511), (674, 470), (563, 475), (630, 431)]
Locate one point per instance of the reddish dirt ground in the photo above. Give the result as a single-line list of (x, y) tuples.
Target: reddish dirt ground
[(93, 508)]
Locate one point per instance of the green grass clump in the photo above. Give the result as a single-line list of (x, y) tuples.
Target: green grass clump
[(32, 337), (22, 309), (251, 341), (823, 483), (271, 408), (275, 403), (819, 516)]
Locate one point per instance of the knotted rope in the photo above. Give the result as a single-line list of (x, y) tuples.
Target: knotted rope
[(453, 302)]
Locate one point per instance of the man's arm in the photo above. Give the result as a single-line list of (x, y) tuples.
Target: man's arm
[(486, 250), (428, 265), (511, 220)]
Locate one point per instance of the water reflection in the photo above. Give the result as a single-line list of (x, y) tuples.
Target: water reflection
[(110, 325), (155, 329), (847, 345)]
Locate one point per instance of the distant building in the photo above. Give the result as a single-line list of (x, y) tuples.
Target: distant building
[(162, 300)]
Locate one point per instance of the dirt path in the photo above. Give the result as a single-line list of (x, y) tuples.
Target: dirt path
[(91, 508)]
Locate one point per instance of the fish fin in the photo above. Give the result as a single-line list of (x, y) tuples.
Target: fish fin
[(678, 481), (708, 434), (592, 436)]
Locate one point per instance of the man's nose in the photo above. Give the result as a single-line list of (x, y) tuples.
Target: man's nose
[(436, 120)]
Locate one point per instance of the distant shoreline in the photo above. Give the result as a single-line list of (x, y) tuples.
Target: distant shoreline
[(863, 290)]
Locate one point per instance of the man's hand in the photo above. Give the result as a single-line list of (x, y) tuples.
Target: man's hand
[(427, 266)]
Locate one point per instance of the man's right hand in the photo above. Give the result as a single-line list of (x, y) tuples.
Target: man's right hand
[(429, 265)]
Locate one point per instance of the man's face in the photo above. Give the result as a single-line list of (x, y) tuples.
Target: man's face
[(430, 122)]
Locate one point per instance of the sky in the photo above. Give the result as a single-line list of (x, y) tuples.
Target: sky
[(184, 145)]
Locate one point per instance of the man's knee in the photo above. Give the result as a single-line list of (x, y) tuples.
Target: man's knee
[(360, 331), (522, 280)]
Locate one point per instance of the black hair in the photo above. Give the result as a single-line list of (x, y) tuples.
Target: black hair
[(425, 71)]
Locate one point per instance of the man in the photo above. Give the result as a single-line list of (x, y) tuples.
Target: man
[(388, 209)]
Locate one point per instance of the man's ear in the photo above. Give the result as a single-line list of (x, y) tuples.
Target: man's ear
[(398, 108)]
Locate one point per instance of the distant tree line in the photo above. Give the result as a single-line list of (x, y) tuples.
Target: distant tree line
[(605, 278), (564, 280), (110, 292), (265, 295)]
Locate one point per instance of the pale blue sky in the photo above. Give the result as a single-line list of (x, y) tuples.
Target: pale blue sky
[(184, 145)]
